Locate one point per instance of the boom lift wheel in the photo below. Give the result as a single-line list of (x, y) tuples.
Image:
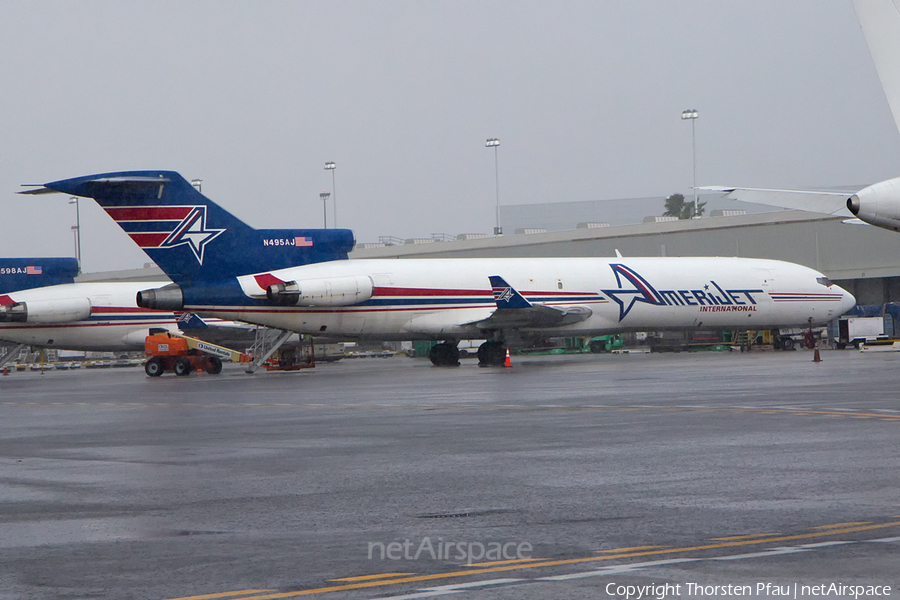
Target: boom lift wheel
[(182, 366), (215, 365), (154, 367)]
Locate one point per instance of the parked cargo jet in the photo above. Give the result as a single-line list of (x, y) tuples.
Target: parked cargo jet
[(303, 281), (81, 316), (41, 305), (879, 203)]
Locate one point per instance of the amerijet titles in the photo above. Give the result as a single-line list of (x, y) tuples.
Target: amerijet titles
[(709, 299)]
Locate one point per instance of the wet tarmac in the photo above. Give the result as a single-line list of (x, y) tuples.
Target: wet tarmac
[(708, 468)]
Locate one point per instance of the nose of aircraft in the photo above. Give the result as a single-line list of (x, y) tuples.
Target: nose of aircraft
[(847, 299)]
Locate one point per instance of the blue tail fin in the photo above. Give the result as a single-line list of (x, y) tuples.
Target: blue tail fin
[(17, 274), (192, 238), (189, 321), (505, 295)]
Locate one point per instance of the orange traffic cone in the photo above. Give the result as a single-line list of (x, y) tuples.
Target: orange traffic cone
[(816, 357), (507, 363)]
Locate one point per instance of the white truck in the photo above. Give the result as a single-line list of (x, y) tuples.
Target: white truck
[(853, 331)]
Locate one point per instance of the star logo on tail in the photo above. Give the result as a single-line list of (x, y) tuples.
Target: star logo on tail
[(632, 288), (192, 232), (505, 295)]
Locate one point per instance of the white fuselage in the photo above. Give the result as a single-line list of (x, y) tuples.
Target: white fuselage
[(444, 298), (114, 322)]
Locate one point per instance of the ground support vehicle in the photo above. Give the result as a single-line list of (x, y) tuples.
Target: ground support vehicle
[(182, 354), (292, 357), (855, 331)]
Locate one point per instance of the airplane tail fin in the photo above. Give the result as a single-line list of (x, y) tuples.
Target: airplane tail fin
[(880, 23), (505, 295), (188, 321), (189, 236), (17, 274)]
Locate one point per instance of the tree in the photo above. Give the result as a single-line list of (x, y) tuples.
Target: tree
[(677, 207)]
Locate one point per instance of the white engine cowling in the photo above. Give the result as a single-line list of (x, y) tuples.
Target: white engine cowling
[(334, 291), (64, 310), (878, 204)]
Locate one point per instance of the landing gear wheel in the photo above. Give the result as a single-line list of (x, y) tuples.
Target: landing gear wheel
[(787, 344), (154, 367), (182, 367), (215, 366), (444, 355), (491, 354)]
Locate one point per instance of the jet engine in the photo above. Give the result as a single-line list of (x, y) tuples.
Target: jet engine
[(46, 311), (335, 291), (878, 204), (168, 297)]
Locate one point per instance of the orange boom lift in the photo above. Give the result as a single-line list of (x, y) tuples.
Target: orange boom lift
[(182, 354)]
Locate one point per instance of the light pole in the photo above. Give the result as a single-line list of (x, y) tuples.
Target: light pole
[(330, 166), (692, 115), (324, 197), (77, 229), (495, 143)]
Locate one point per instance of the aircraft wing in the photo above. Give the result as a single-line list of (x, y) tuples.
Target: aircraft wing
[(829, 203), (515, 312), (537, 316)]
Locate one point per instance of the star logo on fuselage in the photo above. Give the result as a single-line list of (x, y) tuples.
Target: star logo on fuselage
[(632, 288), (192, 232)]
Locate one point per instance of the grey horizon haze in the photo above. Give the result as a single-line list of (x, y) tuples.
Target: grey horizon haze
[(585, 97)]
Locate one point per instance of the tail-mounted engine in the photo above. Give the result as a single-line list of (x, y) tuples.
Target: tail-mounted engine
[(878, 204), (64, 310), (168, 297), (334, 291)]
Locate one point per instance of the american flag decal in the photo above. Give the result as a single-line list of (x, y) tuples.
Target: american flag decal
[(303, 242), (33, 271)]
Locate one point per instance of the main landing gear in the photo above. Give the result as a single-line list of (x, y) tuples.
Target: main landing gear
[(444, 355), (491, 354)]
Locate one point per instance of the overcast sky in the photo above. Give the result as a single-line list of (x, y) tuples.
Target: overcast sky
[(586, 98)]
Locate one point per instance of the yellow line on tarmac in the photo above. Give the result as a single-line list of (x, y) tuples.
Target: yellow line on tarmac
[(630, 549), (221, 595), (742, 537), (365, 577), (504, 562), (839, 525), (570, 561)]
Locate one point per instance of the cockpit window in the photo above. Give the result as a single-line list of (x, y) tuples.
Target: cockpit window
[(824, 281)]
